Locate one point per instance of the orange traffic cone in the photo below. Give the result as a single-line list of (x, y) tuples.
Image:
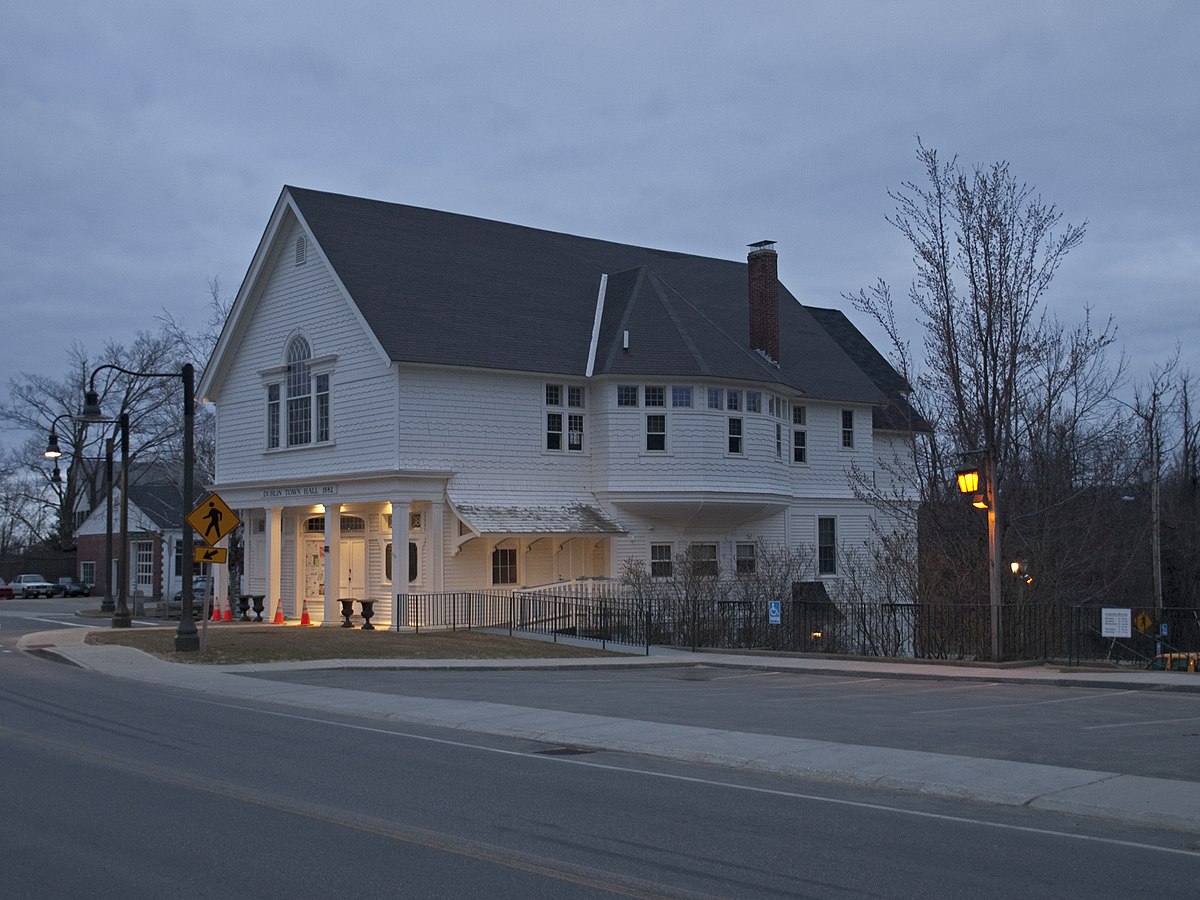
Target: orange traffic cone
[(304, 619), (228, 614), (216, 610), (278, 620)]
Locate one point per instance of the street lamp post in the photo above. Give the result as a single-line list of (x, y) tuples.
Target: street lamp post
[(186, 636), (54, 452), (984, 496)]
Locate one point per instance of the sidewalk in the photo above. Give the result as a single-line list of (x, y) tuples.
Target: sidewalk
[(1149, 801)]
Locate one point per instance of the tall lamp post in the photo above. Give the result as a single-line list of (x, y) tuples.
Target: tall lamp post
[(978, 480), (54, 452), (186, 637)]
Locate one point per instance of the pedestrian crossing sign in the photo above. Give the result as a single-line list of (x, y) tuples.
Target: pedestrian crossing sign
[(213, 519)]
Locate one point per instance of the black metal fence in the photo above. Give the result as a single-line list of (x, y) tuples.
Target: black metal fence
[(915, 631)]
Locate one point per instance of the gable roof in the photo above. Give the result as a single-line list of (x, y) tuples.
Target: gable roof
[(447, 289)]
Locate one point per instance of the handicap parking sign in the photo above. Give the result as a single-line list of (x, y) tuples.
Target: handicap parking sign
[(774, 611)]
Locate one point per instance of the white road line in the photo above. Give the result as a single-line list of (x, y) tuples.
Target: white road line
[(58, 622), (989, 708), (1140, 724), (796, 795)]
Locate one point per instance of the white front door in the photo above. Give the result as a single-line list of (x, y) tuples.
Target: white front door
[(353, 579)]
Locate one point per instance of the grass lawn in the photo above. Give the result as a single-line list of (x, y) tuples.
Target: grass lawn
[(229, 643)]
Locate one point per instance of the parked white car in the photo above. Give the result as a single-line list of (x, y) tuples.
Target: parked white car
[(30, 585)]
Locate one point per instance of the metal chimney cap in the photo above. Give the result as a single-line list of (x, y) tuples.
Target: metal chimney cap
[(762, 245)]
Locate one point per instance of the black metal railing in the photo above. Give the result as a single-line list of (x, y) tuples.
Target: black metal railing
[(908, 630)]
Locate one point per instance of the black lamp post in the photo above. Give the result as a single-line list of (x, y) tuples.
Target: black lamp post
[(186, 637), (54, 452)]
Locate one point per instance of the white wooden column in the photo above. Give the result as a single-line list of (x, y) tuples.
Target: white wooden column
[(399, 557), (333, 562), (437, 546), (274, 531)]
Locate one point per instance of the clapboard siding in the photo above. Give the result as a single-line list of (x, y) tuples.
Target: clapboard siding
[(304, 300)]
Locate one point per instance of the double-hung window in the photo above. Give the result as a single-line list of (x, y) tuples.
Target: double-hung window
[(555, 418), (656, 433), (703, 558), (504, 565), (661, 562), (826, 545), (744, 559), (735, 436), (848, 428), (554, 429), (799, 434)]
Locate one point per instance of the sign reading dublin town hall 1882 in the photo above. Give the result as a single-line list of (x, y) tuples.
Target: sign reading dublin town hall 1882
[(312, 490)]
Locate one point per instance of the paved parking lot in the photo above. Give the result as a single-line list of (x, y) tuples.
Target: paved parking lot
[(1133, 732)]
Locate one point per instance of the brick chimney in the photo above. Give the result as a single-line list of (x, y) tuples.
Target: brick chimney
[(762, 265)]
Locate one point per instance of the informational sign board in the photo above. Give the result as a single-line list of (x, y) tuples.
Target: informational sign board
[(213, 519), (1116, 623), (218, 556), (774, 611)]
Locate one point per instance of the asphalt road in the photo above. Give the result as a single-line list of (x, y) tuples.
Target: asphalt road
[(1148, 733), (110, 788)]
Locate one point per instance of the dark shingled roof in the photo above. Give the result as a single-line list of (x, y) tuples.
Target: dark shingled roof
[(898, 414), (162, 503), (449, 289)]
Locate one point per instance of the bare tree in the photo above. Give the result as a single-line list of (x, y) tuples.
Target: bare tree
[(1000, 375), (39, 403)]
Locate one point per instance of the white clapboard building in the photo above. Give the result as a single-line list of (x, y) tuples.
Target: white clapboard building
[(480, 405)]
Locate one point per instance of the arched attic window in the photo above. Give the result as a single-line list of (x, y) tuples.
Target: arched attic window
[(298, 400), (299, 393), (307, 397)]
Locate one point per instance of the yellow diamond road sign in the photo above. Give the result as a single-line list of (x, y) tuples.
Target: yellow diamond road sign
[(218, 556), (1143, 622), (213, 519)]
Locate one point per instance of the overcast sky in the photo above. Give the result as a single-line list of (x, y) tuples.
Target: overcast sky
[(144, 144)]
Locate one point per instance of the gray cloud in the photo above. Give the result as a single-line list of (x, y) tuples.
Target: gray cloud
[(145, 143)]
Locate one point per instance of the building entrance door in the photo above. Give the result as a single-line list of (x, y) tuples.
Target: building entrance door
[(353, 580)]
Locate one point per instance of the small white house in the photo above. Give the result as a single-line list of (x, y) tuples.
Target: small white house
[(416, 401)]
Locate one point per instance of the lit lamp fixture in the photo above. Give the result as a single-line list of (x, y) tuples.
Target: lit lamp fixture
[(968, 484), (968, 480), (52, 450), (1015, 565)]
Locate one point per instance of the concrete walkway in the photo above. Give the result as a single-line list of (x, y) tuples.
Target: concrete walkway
[(1149, 801)]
